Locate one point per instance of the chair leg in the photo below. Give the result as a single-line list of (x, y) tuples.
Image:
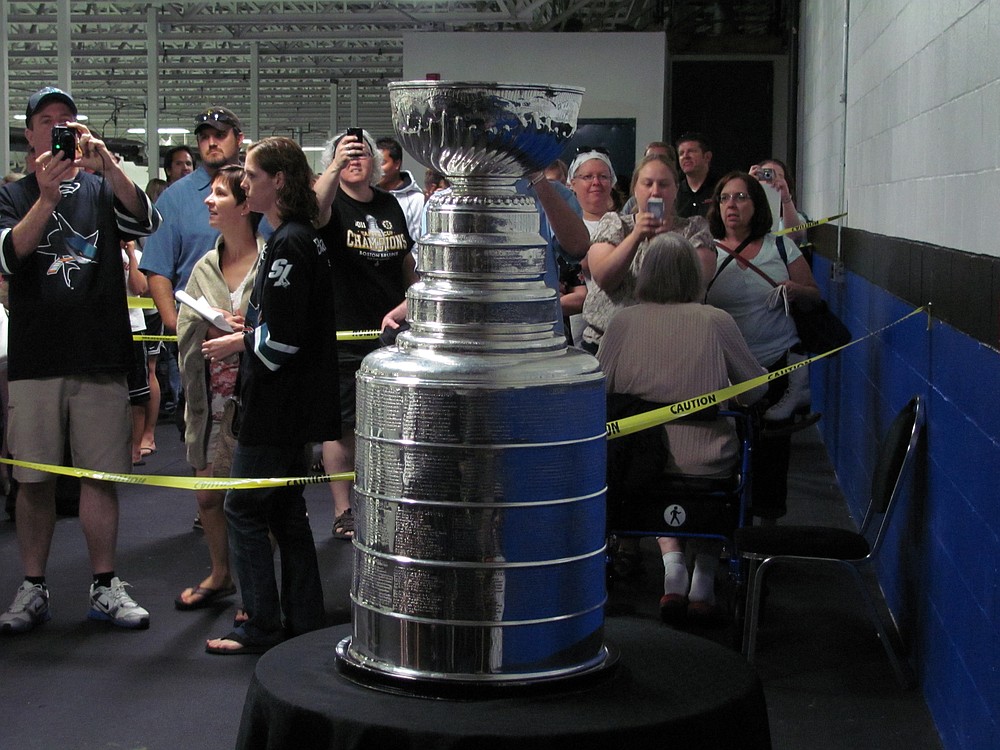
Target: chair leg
[(904, 675), (751, 616)]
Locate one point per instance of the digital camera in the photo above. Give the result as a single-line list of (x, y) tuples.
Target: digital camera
[(64, 142), (765, 174)]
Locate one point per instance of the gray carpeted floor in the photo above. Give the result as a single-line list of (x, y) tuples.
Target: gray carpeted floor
[(79, 684)]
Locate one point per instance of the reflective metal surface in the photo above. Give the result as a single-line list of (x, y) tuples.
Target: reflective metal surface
[(480, 469)]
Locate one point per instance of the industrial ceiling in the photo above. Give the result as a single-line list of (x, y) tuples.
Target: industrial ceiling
[(306, 52)]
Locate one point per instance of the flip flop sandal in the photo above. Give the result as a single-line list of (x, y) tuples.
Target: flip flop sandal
[(247, 646), (207, 597), (343, 526)]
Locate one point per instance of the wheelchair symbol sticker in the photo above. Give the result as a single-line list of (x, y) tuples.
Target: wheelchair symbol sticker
[(674, 515)]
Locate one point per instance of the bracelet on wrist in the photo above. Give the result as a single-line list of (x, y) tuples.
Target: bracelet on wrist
[(537, 178)]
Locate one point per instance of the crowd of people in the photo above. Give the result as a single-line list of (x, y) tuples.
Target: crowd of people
[(284, 258)]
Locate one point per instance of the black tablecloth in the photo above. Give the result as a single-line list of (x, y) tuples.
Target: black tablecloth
[(669, 690)]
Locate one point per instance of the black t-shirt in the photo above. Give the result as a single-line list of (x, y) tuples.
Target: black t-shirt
[(368, 243), (288, 374), (695, 203), (67, 299)]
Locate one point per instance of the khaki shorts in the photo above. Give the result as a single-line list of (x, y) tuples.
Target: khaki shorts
[(92, 411)]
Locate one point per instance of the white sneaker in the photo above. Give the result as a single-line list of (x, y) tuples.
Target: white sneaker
[(30, 608), (796, 398), (113, 604)]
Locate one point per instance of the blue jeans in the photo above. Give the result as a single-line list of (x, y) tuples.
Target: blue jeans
[(282, 510)]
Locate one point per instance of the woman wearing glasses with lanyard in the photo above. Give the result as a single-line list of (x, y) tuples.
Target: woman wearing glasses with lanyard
[(740, 220)]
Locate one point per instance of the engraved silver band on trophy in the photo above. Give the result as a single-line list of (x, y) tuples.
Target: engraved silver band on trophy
[(479, 494)]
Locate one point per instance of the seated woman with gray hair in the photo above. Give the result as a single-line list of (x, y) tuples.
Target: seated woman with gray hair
[(668, 348)]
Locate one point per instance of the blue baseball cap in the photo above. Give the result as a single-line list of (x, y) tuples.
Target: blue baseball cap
[(45, 95)]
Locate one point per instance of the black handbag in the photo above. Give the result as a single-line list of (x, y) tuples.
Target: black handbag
[(818, 328)]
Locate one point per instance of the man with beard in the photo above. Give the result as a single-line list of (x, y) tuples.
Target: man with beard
[(185, 236)]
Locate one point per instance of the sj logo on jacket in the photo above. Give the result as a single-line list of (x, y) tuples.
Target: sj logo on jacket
[(279, 272)]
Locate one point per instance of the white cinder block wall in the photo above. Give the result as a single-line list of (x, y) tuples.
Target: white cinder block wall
[(923, 118)]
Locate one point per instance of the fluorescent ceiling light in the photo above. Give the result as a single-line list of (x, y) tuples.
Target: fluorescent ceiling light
[(80, 118), (161, 131)]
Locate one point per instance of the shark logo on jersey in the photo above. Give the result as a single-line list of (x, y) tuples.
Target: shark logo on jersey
[(68, 188), (78, 250), (279, 272)]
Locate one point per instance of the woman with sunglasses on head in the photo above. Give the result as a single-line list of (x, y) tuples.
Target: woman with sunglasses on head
[(740, 220), (620, 241), (224, 277)]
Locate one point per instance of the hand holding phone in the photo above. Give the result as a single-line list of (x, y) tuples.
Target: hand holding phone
[(655, 207)]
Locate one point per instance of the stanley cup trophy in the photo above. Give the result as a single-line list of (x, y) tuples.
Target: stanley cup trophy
[(479, 552)]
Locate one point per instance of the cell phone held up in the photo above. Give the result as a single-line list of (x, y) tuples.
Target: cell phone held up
[(357, 133), (655, 207), (63, 142)]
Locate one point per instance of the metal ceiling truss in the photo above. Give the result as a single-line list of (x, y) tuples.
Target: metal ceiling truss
[(204, 52)]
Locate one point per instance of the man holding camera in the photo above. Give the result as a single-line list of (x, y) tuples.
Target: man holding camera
[(70, 346)]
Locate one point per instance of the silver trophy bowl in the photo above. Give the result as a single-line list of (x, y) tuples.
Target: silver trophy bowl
[(479, 497), (484, 129)]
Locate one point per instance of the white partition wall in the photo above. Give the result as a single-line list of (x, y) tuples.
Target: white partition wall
[(624, 74)]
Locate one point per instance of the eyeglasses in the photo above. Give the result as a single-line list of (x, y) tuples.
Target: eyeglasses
[(591, 177), (737, 197), (587, 149)]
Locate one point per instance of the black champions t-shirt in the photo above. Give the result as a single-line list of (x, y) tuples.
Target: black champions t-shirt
[(368, 243)]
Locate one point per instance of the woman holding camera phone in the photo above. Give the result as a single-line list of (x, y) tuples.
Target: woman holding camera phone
[(774, 173), (619, 244), (365, 230)]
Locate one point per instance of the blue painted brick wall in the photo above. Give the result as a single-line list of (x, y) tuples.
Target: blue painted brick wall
[(942, 567)]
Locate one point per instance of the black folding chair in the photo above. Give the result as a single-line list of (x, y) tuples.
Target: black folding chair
[(764, 547)]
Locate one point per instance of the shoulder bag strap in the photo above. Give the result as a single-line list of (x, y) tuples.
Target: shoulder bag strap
[(733, 254), (780, 241), (750, 265)]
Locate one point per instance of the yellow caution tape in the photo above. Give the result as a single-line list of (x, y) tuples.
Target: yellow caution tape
[(341, 336), (809, 224), (181, 483), (357, 335), (628, 425), (617, 428), (151, 337)]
